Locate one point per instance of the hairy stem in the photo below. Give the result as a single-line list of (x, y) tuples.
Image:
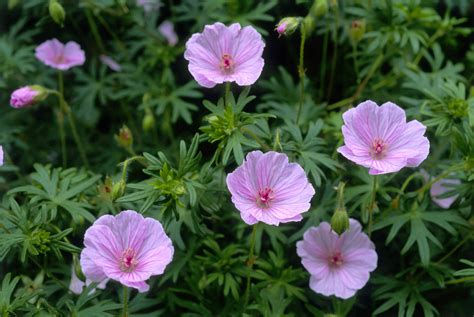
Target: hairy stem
[(301, 72), (250, 262), (372, 204), (125, 301)]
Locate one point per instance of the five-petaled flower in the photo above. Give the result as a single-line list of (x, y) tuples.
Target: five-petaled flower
[(60, 56), (127, 248), (225, 54), (338, 265), (267, 188), (380, 139)]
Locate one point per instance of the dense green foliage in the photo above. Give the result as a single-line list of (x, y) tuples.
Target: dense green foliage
[(177, 142)]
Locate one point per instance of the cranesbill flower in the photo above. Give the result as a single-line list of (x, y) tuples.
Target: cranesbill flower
[(338, 265), (267, 188), (24, 97), (225, 54), (380, 139), (127, 248), (76, 285), (167, 30), (60, 56), (442, 186)]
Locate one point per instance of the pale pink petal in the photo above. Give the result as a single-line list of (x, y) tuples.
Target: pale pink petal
[(267, 188), (1, 155), (443, 186)]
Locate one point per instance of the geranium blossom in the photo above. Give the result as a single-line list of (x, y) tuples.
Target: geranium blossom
[(441, 187), (127, 248), (225, 54), (60, 56), (23, 97), (267, 188), (380, 139), (339, 265), (167, 30)]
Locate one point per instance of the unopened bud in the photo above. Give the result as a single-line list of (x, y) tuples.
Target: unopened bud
[(340, 219), (309, 24), (148, 122), (288, 25), (357, 30), (118, 190), (56, 11), (78, 269), (124, 138), (319, 8)]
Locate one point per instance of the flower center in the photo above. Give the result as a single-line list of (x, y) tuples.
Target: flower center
[(264, 198), (60, 59), (227, 64), (336, 259), (378, 149), (128, 261)]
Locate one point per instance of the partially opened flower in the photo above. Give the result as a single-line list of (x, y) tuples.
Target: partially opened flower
[(267, 188), (1, 155), (167, 30), (60, 56), (27, 96), (338, 265), (127, 248), (380, 139), (76, 286), (225, 54)]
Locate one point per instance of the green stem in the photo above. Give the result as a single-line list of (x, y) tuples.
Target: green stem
[(301, 72), (95, 32), (372, 205), (361, 86), (60, 118), (334, 55), (227, 94), (250, 262), (467, 238), (461, 280), (323, 65), (256, 138), (66, 109), (125, 301), (450, 170), (356, 64)]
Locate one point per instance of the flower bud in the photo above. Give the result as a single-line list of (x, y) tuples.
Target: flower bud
[(309, 24), (357, 30), (288, 25), (340, 219), (124, 138), (118, 190), (148, 122), (28, 96), (319, 8), (77, 269), (57, 13)]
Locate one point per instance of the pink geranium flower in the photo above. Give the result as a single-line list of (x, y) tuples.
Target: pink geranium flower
[(225, 54), (380, 139), (339, 265), (1, 155), (23, 97), (127, 248), (57, 55), (267, 188), (167, 30)]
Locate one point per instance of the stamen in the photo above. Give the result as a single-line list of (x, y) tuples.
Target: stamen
[(378, 149), (265, 196), (128, 261), (336, 259), (227, 64)]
